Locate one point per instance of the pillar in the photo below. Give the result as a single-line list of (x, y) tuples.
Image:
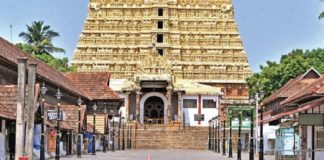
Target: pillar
[(180, 115), (3, 131), (127, 106), (20, 121), (169, 97), (30, 110), (138, 99)]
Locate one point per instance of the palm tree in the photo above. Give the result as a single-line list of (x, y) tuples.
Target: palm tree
[(322, 13), (39, 37)]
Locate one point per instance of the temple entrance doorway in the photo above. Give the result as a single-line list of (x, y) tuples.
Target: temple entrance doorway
[(154, 110)]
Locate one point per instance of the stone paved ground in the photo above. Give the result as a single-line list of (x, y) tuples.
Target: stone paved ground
[(160, 155)]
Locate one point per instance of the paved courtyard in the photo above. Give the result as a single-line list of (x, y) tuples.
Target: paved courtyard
[(159, 155)]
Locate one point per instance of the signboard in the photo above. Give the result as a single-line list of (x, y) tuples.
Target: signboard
[(199, 117), (52, 115), (310, 119), (246, 123)]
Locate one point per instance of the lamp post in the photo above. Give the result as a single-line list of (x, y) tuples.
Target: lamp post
[(123, 132), (104, 145), (230, 149), (214, 134), (258, 97), (113, 131), (224, 137), (79, 101), (42, 150), (251, 99), (119, 127), (218, 123), (58, 97), (209, 135), (239, 143), (94, 107)]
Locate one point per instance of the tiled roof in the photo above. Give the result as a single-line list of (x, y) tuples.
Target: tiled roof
[(315, 88), (10, 52), (289, 89), (94, 84)]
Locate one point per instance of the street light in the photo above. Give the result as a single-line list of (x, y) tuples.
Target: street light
[(42, 150), (258, 97), (224, 137), (239, 144), (252, 100), (94, 107), (104, 145), (230, 149), (58, 96), (218, 124), (79, 101), (113, 131), (123, 140), (119, 126)]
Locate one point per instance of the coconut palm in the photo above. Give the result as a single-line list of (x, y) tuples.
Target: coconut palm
[(39, 37), (322, 13)]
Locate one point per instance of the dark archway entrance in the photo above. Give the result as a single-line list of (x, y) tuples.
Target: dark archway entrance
[(154, 110)]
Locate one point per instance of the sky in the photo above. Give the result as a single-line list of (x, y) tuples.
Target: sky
[(269, 28)]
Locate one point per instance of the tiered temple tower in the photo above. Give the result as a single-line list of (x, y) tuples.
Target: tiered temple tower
[(186, 40)]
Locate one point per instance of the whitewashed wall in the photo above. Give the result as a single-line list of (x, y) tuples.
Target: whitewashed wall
[(208, 112)]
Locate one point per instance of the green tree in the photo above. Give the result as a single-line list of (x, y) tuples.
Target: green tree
[(274, 75), (322, 13), (38, 40), (39, 37)]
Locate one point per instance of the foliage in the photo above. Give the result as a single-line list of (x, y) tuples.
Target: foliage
[(274, 75), (39, 43), (39, 37), (322, 13), (60, 64)]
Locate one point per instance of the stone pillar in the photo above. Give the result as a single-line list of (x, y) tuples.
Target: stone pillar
[(169, 97), (127, 106), (138, 105), (30, 110), (180, 115), (4, 132), (20, 121)]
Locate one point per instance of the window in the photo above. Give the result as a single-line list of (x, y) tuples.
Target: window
[(209, 103), (159, 38), (320, 138), (229, 89), (160, 25), (189, 103), (160, 51), (160, 12)]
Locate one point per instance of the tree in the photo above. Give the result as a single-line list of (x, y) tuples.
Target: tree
[(38, 40), (39, 37), (322, 13), (274, 75)]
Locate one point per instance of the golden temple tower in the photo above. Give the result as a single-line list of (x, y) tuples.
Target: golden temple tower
[(196, 40)]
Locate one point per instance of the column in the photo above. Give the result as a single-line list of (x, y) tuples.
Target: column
[(127, 106), (169, 97), (138, 109), (30, 110), (20, 121), (180, 115)]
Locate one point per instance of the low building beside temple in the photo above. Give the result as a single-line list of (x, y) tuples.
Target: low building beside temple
[(285, 108)]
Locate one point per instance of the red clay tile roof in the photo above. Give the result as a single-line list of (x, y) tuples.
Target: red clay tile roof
[(315, 88), (289, 89), (10, 52), (93, 84)]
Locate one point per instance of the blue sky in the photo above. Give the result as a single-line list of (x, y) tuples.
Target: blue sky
[(269, 28)]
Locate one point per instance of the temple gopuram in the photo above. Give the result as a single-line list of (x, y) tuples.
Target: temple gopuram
[(171, 60)]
